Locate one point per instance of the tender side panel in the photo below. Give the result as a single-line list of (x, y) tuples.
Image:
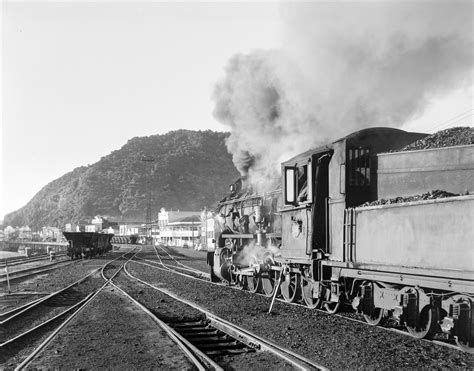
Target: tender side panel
[(436, 234), (416, 172)]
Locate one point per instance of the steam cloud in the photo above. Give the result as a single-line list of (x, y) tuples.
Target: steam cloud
[(345, 66)]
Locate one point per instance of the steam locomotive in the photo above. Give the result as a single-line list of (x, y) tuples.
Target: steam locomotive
[(335, 233)]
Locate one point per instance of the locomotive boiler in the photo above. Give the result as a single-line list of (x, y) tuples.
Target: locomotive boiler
[(361, 224), (248, 236)]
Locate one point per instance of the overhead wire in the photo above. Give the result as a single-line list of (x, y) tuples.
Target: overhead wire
[(453, 120)]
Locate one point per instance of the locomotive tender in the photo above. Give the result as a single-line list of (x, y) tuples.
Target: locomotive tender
[(410, 261)]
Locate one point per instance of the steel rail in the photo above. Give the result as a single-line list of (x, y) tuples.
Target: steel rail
[(183, 266), (22, 309), (16, 275), (168, 267), (12, 340), (199, 359), (121, 256), (167, 253), (295, 359), (26, 260)]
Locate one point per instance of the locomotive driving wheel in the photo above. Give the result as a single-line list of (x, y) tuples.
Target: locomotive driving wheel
[(307, 292), (290, 287), (426, 324), (332, 307), (270, 277), (252, 283)]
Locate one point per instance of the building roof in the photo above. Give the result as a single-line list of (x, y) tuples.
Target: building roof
[(193, 219)]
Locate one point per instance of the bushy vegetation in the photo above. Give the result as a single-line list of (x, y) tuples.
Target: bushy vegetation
[(192, 169)]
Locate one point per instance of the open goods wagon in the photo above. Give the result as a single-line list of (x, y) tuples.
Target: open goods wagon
[(87, 244)]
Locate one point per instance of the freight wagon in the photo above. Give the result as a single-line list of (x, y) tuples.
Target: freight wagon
[(87, 244)]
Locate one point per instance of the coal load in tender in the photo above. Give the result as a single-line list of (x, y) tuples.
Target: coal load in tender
[(457, 136), (425, 196)]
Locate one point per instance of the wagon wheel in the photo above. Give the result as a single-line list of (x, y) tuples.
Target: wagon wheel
[(270, 277), (376, 317), (427, 324), (290, 287), (307, 294)]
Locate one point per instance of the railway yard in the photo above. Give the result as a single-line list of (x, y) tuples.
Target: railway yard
[(154, 307)]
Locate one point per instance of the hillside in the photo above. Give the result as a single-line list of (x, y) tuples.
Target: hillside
[(192, 169)]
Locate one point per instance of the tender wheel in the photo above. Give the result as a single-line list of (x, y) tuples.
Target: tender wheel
[(376, 317), (427, 324), (464, 346), (290, 287), (307, 290)]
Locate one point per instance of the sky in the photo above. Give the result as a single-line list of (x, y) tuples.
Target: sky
[(79, 79)]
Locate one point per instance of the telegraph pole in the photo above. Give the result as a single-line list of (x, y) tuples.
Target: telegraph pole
[(148, 220), (205, 227)]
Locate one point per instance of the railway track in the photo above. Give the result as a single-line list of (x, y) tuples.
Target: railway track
[(211, 338), (36, 323), (25, 260), (32, 271), (184, 270)]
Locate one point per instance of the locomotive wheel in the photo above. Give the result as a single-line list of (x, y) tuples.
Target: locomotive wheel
[(251, 283), (375, 318), (332, 307), (269, 283), (290, 287), (427, 324), (269, 278), (307, 294)]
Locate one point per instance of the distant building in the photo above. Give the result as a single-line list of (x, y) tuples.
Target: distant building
[(207, 230), (131, 228), (51, 234), (71, 227), (100, 224), (25, 234), (180, 228)]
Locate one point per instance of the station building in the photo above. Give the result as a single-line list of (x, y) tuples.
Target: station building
[(179, 228)]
